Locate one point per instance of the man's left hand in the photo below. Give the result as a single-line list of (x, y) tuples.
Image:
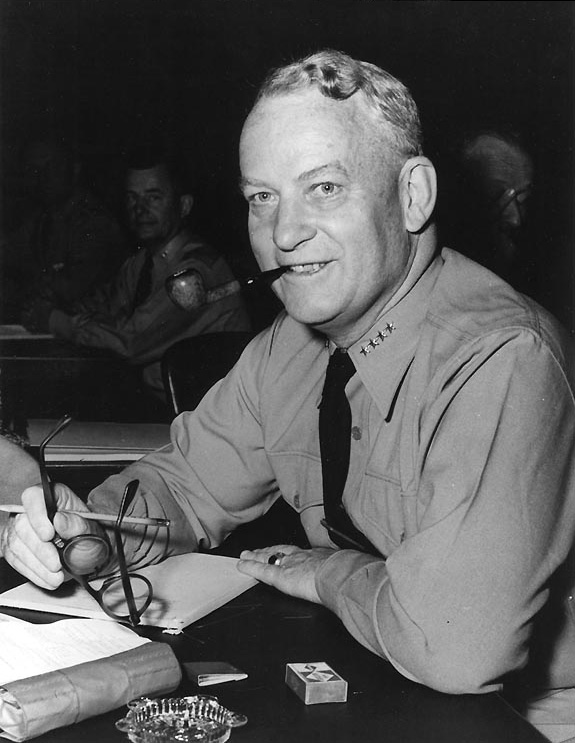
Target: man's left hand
[(294, 571)]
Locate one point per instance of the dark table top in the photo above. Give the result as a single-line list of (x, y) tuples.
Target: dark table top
[(45, 347), (260, 632)]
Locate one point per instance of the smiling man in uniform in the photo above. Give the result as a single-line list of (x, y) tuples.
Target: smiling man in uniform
[(413, 409)]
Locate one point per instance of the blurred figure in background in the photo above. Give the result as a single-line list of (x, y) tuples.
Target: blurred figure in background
[(492, 193), (132, 315), (69, 243)]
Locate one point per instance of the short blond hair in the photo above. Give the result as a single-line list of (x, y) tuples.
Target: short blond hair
[(338, 76)]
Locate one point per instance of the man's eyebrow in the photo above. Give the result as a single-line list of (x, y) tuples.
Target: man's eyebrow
[(335, 165), (245, 182), (307, 175), (146, 190)]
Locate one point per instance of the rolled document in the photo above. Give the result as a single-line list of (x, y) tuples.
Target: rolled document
[(187, 291)]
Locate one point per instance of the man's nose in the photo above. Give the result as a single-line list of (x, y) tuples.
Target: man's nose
[(140, 207), (292, 226)]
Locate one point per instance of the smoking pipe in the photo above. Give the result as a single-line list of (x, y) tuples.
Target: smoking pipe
[(187, 291)]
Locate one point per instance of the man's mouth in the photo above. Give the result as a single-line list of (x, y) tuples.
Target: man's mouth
[(307, 268)]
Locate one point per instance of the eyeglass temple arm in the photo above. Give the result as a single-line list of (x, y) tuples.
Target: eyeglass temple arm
[(127, 498), (129, 494), (49, 497)]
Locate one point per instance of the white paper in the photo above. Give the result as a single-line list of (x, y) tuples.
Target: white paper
[(220, 678), (28, 649), (19, 332), (186, 588)]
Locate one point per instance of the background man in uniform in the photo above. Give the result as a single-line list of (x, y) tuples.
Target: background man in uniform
[(132, 315)]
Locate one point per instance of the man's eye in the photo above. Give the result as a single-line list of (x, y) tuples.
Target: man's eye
[(326, 189), (261, 197)]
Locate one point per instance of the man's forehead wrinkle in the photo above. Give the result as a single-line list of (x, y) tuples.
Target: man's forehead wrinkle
[(331, 166), (134, 187), (351, 128), (273, 109), (145, 182)]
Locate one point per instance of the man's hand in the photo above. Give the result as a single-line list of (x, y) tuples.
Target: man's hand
[(26, 542), (294, 574)]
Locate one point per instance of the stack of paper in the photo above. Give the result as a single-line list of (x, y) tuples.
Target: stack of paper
[(52, 675), (31, 649), (186, 588)]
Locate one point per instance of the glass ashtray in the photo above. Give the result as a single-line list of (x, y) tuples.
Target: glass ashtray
[(196, 719)]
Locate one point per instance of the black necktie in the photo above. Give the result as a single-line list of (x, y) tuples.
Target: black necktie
[(334, 442), (144, 285)]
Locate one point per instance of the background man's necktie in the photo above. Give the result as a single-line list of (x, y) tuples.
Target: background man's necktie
[(334, 442), (144, 285)]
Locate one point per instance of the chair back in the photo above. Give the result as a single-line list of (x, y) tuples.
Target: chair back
[(193, 365)]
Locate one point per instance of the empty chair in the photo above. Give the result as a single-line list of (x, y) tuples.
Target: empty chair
[(191, 366)]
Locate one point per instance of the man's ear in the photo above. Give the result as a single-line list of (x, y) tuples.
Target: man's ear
[(186, 204), (417, 192)]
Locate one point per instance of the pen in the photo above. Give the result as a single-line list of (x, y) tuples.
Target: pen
[(357, 545), (144, 521)]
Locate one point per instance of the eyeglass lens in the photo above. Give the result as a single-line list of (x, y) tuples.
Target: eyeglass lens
[(115, 597), (132, 585), (83, 554), (123, 598)]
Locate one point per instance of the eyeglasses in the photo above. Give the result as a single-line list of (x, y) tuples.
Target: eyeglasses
[(124, 597), (510, 195)]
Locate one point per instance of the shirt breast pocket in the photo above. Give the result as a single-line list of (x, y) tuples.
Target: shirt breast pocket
[(381, 509), (299, 478)]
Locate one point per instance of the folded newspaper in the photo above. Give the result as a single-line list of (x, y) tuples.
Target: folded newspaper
[(53, 675)]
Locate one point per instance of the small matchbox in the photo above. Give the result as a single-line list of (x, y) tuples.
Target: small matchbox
[(316, 683)]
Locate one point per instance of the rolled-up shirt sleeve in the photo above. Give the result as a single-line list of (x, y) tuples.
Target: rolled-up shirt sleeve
[(490, 516)]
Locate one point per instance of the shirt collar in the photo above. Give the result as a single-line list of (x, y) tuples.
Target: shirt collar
[(171, 249), (169, 253), (387, 348)]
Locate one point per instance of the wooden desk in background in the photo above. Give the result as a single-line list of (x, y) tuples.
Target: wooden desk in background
[(261, 631), (43, 377)]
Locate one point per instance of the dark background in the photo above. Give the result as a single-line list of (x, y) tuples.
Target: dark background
[(108, 73)]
